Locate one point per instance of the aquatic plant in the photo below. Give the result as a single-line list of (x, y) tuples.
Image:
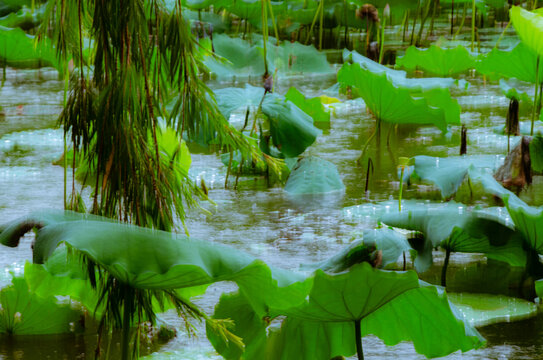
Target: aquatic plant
[(437, 61)]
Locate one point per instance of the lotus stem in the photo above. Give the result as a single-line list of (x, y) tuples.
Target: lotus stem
[(358, 336), (382, 40), (321, 24), (125, 344), (317, 13), (415, 23), (473, 13), (431, 30), (346, 24), (273, 22), (424, 16), (370, 167), (464, 13), (229, 169), (401, 188), (359, 160), (265, 33), (463, 140), (405, 24), (452, 18), (444, 269), (534, 110)]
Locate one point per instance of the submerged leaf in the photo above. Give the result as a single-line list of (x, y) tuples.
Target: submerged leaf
[(313, 175), (485, 309)]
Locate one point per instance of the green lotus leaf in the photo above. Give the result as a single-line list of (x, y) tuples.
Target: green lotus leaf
[(313, 175), (528, 221), (518, 62), (395, 104), (291, 129), (19, 50), (199, 4), (239, 58), (457, 230), (510, 88), (391, 244), (449, 173), (247, 325), (25, 313), (231, 99), (529, 27), (486, 309), (437, 61), (135, 259), (389, 305), (24, 18), (399, 77), (312, 106)]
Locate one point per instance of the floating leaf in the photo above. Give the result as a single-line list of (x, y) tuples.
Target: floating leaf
[(486, 309), (313, 175), (19, 50)]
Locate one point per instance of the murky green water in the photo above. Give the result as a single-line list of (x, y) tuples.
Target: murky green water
[(282, 230)]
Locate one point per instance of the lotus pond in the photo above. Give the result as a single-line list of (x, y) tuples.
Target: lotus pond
[(330, 192)]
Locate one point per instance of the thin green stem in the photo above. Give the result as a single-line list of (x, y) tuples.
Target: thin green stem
[(321, 25), (273, 23), (317, 13), (534, 110), (401, 188), (473, 13), (125, 343), (444, 269), (382, 40)]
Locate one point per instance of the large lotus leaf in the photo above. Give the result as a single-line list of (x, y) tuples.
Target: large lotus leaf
[(199, 4), (18, 49), (291, 129), (230, 99), (135, 258), (247, 325), (437, 61), (397, 105), (399, 77), (459, 230), (312, 106), (313, 175), (24, 313), (529, 27), (528, 221), (485, 309), (240, 58), (511, 89), (24, 18), (518, 62), (449, 173), (391, 244), (391, 305), (297, 58)]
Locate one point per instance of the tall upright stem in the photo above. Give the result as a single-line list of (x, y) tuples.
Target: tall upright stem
[(534, 110), (473, 11), (444, 269), (358, 335), (125, 344), (321, 25)]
